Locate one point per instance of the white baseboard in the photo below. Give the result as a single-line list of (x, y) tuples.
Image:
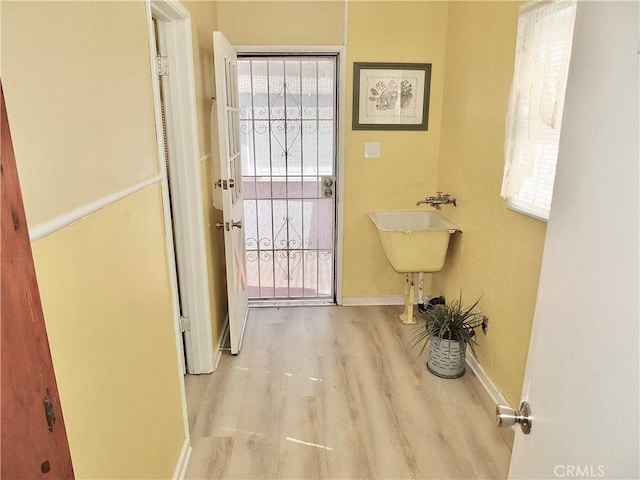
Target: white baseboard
[(371, 301), (183, 460), (493, 392), (217, 355), (494, 396)]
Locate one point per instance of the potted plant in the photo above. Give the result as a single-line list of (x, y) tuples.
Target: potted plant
[(449, 328)]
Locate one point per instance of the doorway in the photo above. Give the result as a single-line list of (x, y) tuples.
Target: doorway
[(288, 127), (169, 23), (163, 85)]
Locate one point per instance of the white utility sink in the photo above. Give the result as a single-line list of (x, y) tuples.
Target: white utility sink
[(414, 240)]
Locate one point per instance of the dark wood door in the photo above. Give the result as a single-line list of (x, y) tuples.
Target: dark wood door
[(33, 439)]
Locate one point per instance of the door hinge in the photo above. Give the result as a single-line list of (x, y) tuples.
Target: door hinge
[(162, 64), (185, 324), (49, 411)]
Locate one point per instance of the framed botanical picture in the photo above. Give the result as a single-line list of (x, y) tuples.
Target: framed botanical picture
[(391, 96)]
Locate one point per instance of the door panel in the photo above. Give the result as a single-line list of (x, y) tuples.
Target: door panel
[(230, 181), (33, 444), (582, 375)]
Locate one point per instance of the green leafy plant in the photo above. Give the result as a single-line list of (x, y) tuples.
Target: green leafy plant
[(451, 321)]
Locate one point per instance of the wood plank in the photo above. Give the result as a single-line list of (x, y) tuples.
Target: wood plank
[(338, 392), (29, 447)]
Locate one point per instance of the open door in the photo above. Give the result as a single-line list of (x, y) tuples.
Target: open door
[(34, 439), (230, 182), (582, 375)]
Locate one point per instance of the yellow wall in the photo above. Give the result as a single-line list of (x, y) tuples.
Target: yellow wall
[(471, 48), (407, 170), (282, 23), (498, 256), (203, 23), (107, 304), (64, 66), (215, 256), (78, 87)]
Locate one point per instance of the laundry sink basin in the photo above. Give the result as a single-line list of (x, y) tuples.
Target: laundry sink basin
[(414, 240)]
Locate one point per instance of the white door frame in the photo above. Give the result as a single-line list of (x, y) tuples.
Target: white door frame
[(174, 30), (340, 52)]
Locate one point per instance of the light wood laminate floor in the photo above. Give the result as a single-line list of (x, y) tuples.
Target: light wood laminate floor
[(338, 392)]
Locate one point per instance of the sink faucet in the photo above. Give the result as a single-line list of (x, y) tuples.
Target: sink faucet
[(438, 200)]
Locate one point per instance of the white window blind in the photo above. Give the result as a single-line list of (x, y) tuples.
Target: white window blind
[(536, 101)]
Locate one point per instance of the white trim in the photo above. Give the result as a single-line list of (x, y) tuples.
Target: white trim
[(47, 228), (296, 302), (493, 395), (342, 110), (185, 454), (217, 355), (175, 35), (280, 49), (493, 392), (183, 460), (527, 210), (382, 300), (341, 53), (169, 10), (223, 337)]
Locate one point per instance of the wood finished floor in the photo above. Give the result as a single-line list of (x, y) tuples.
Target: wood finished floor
[(337, 393)]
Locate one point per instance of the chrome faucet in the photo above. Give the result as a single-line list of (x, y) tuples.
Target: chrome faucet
[(438, 200)]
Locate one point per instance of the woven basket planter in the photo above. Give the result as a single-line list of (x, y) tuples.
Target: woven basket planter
[(446, 358)]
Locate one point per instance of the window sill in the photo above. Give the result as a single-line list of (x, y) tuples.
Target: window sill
[(538, 214)]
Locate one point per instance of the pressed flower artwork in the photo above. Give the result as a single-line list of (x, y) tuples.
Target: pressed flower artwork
[(391, 96)]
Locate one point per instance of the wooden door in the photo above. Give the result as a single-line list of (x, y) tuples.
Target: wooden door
[(230, 180), (33, 440)]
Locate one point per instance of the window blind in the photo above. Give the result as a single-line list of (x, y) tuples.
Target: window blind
[(545, 31)]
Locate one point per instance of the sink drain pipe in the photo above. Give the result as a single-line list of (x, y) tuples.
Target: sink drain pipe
[(407, 317)]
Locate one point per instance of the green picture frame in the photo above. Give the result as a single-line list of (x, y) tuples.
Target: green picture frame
[(391, 96)]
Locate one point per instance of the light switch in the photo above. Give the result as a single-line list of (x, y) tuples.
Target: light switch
[(372, 150)]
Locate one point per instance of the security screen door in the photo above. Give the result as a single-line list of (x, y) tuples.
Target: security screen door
[(288, 124)]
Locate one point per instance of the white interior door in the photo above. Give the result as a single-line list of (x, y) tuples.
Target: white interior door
[(230, 181), (582, 371)]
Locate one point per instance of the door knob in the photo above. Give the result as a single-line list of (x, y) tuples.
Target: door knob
[(507, 416), (219, 225), (237, 224)]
